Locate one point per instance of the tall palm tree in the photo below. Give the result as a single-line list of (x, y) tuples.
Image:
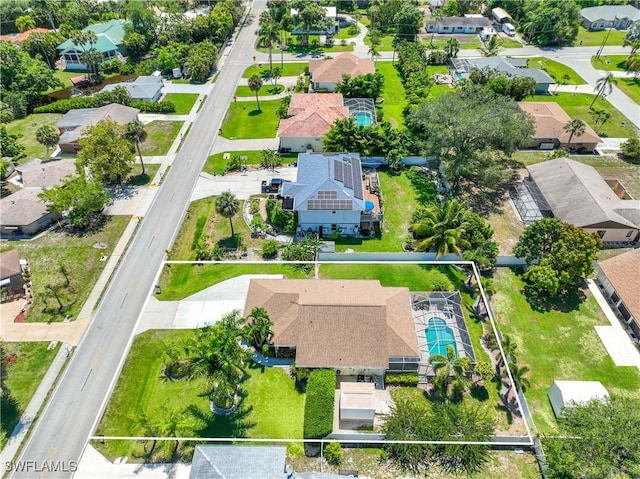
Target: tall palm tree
[(452, 48), (518, 375), (442, 228), (633, 63), (373, 51), (255, 83), (574, 127), (268, 35), (509, 347), (491, 48), (449, 366), (134, 132), (604, 83), (228, 206), (260, 327)]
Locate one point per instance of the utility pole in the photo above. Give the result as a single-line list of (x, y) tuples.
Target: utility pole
[(604, 42)]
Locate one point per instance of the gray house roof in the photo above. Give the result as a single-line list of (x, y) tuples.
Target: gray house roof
[(23, 207), (44, 174), (79, 119), (461, 22), (577, 194), (238, 462), (327, 181), (503, 65), (610, 13), (142, 88)]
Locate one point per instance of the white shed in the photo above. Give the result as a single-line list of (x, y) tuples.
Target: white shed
[(568, 393), (357, 402)]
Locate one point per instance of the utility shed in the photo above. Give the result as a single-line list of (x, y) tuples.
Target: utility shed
[(564, 394), (357, 402)]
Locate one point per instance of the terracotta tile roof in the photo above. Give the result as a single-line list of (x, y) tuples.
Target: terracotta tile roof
[(344, 64), (312, 114), (337, 323), (550, 121), (21, 37), (623, 272), (10, 264)]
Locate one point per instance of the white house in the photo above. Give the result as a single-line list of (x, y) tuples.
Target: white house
[(466, 24), (564, 394), (331, 17), (609, 16)]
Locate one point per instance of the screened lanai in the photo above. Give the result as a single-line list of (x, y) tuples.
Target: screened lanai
[(529, 202)]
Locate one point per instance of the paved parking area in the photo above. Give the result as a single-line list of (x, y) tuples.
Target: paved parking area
[(243, 186)]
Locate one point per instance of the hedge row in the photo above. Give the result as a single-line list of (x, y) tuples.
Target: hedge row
[(318, 408), (401, 379), (63, 106)]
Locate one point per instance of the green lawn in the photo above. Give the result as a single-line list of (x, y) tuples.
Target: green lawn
[(610, 62), (594, 39), (437, 90), (26, 129), (215, 164), (244, 120), (394, 97), (506, 42), (344, 34), (82, 261), (288, 69), (557, 345), (560, 73), (630, 87), (266, 90), (385, 42), (314, 46), (23, 378), (136, 178), (183, 102), (415, 188), (577, 106), (467, 42), (160, 136)]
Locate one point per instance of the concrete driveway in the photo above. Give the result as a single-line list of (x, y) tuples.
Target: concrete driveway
[(242, 185), (205, 307)]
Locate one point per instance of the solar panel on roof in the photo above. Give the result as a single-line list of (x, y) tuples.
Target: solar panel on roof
[(329, 204), (357, 183), (338, 174), (348, 176), (327, 194)]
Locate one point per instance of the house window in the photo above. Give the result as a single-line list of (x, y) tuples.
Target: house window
[(601, 233), (334, 227), (629, 233)]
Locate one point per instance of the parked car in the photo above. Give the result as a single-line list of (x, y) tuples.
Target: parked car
[(509, 29)]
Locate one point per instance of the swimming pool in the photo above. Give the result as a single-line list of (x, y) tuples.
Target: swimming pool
[(363, 118), (439, 336)]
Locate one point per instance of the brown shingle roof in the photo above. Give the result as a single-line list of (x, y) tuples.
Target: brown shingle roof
[(623, 272), (23, 207), (10, 264), (344, 64), (337, 323), (45, 174), (312, 114), (550, 121)]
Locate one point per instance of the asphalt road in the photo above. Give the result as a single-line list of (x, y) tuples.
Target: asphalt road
[(70, 416)]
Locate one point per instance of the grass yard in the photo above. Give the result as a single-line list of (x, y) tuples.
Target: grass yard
[(178, 281), (26, 129), (245, 121), (610, 62), (557, 345), (23, 378), (314, 46), (216, 164), (266, 90), (160, 136), (630, 87), (560, 73), (141, 391), (467, 42), (183, 102), (344, 34), (82, 261), (385, 42), (415, 188), (437, 90), (594, 39), (136, 178), (507, 227), (394, 96), (577, 106), (288, 69), (506, 42)]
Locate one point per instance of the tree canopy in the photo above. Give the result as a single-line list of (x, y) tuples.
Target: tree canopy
[(551, 22), (370, 85)]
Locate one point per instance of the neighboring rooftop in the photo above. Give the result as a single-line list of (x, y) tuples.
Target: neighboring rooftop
[(577, 194), (501, 14), (18, 38), (337, 323), (623, 272), (238, 462), (611, 12), (569, 393), (44, 174), (550, 121), (22, 207), (74, 121), (110, 35), (343, 64), (478, 22), (503, 65), (312, 114), (10, 264), (141, 88)]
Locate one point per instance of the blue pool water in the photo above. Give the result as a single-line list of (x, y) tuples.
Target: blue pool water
[(363, 118), (369, 205), (439, 336)]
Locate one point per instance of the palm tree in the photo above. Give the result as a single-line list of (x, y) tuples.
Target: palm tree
[(436, 15), (228, 206), (48, 136), (518, 373), (255, 83), (633, 63), (452, 48), (24, 23), (260, 327), (450, 365), (442, 228), (373, 51), (134, 132), (604, 83), (574, 127), (491, 48), (268, 35), (509, 347)]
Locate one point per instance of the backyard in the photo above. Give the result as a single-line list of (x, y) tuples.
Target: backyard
[(183, 102), (26, 129), (394, 97), (244, 121), (577, 106), (24, 374), (81, 260), (215, 164), (160, 136), (559, 344), (560, 73), (142, 392)]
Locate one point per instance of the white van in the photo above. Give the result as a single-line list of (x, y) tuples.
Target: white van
[(509, 29)]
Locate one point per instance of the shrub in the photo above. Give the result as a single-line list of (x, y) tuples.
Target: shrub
[(269, 249), (318, 408), (254, 206), (333, 453), (257, 222), (233, 164), (630, 149), (164, 106), (63, 106), (401, 379)]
